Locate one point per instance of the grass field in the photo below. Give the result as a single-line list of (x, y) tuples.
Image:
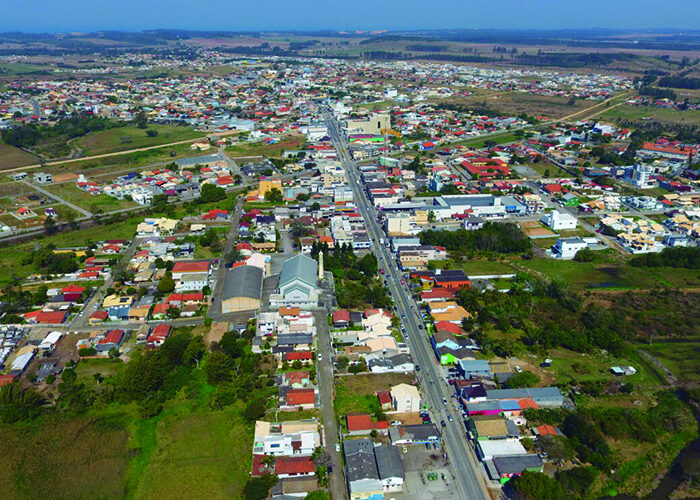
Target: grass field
[(554, 171), (206, 454), (11, 256), (479, 142), (124, 138), (103, 202), (11, 157), (121, 162), (664, 115), (607, 275), (265, 149), (486, 267), (682, 358), (62, 458)]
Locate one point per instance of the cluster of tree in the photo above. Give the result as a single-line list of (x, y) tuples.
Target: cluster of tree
[(356, 283), (29, 135), (274, 195), (45, 260), (493, 237), (657, 93), (547, 317), (211, 193), (685, 257), (18, 404), (679, 82)]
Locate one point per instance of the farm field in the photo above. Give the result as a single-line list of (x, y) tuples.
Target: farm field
[(11, 157), (130, 137)]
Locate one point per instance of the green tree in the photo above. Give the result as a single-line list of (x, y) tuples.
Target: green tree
[(535, 486), (274, 195), (255, 408), (141, 119), (210, 193), (584, 255), (166, 283), (318, 495), (218, 368), (258, 488), (523, 379), (577, 481), (368, 264)]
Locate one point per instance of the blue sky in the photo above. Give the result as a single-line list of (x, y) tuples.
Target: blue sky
[(235, 15)]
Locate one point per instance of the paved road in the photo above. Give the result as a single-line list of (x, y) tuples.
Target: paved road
[(464, 467), (96, 300), (325, 384), (231, 239), (57, 198)]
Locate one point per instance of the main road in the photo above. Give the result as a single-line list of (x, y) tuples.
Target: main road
[(464, 467)]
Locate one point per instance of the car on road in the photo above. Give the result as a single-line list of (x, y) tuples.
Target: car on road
[(417, 368), (320, 356), (443, 423), (450, 418), (337, 447), (403, 281), (444, 401), (381, 271), (396, 422)]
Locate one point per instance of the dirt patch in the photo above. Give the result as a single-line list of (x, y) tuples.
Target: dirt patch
[(216, 332)]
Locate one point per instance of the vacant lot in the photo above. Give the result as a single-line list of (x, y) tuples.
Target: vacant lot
[(356, 393), (63, 458), (11, 157), (102, 202), (124, 138), (264, 149)]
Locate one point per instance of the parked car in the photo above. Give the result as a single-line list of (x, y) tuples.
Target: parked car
[(443, 423), (518, 369), (450, 418), (444, 401), (396, 422)]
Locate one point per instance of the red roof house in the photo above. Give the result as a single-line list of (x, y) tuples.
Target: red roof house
[(301, 397), (362, 422)]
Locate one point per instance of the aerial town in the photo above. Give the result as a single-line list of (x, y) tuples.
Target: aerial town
[(287, 276)]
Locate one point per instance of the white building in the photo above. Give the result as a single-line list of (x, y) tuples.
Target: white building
[(559, 221), (405, 398), (566, 248)]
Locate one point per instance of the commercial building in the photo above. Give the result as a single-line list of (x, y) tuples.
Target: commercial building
[(242, 289)]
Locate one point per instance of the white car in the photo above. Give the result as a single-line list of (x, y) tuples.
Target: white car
[(518, 369), (320, 356), (396, 422)]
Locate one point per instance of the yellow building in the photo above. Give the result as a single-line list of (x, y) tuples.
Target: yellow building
[(266, 185)]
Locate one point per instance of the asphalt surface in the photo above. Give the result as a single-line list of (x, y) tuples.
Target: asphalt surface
[(463, 464), (324, 375)]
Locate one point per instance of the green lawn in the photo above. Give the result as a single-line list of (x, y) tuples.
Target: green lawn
[(543, 167), (131, 137), (357, 393), (479, 142)]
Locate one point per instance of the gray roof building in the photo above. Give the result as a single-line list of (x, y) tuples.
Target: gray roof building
[(388, 462), (359, 460), (243, 281), (299, 267)]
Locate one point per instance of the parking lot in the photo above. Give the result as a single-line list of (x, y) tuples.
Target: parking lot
[(427, 475)]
